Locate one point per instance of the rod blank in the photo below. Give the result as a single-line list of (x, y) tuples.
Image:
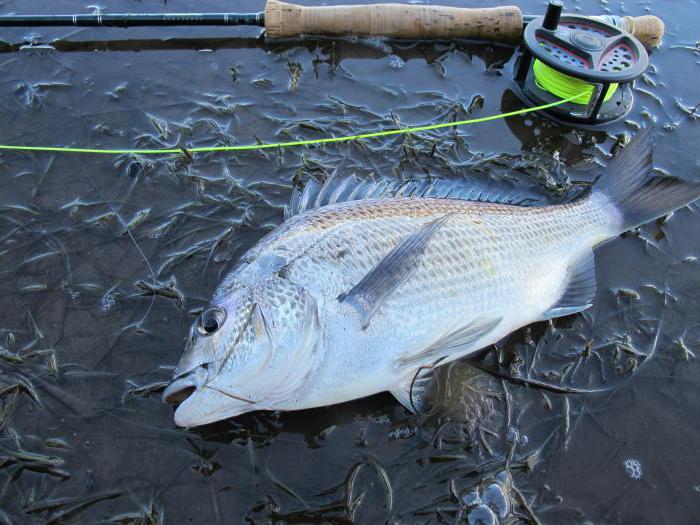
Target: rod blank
[(136, 19)]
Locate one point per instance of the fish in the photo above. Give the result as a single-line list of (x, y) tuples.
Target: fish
[(365, 286)]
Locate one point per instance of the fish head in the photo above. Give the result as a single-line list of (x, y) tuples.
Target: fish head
[(250, 350)]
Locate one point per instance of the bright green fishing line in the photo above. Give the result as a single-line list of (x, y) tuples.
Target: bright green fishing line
[(565, 86), (310, 142)]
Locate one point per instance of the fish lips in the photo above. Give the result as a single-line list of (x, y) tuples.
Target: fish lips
[(179, 390), (199, 405)]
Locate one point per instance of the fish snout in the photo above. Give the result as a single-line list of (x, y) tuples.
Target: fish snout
[(198, 402)]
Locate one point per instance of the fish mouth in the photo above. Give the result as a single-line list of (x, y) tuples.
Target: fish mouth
[(200, 405), (179, 390)]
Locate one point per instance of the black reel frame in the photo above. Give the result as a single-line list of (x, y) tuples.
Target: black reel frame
[(585, 48)]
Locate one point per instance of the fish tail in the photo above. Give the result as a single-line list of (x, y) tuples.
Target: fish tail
[(636, 196)]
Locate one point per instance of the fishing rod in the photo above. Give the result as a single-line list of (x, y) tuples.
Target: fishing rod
[(577, 69), (284, 20)]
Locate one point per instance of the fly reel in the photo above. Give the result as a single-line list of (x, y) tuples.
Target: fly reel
[(584, 59)]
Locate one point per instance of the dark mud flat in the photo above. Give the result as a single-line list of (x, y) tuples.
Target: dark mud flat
[(104, 261)]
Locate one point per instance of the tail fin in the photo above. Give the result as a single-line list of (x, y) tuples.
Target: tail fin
[(636, 195)]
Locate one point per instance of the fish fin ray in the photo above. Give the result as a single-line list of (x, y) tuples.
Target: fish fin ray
[(455, 343), (414, 391), (337, 189), (303, 199), (580, 288), (638, 196), (392, 271)]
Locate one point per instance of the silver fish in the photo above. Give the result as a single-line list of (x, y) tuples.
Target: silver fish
[(357, 292)]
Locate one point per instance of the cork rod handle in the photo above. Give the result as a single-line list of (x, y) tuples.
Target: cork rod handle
[(499, 24), (648, 29)]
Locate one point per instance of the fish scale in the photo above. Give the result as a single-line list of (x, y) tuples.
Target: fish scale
[(363, 286), (474, 266)]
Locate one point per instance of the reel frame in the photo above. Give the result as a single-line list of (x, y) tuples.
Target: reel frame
[(585, 48)]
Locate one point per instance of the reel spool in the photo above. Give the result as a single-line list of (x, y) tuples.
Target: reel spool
[(570, 55)]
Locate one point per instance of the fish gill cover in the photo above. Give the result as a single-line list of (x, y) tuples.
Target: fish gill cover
[(105, 262)]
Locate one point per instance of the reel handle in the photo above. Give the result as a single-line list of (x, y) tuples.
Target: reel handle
[(499, 24)]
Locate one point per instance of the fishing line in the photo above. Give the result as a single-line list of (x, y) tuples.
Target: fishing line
[(127, 230), (565, 86), (310, 142), (597, 60)]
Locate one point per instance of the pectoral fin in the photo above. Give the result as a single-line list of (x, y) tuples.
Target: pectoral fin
[(392, 271), (580, 289), (454, 344)]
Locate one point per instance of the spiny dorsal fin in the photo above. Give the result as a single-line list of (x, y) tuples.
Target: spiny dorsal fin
[(580, 288), (393, 270), (350, 188)]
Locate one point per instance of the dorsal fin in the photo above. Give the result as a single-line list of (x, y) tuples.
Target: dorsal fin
[(477, 187)]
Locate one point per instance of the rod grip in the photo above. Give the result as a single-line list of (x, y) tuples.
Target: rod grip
[(498, 24), (648, 29)]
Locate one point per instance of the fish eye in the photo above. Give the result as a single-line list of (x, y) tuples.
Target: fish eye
[(210, 320)]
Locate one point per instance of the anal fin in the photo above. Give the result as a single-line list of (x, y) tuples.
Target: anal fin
[(580, 288)]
